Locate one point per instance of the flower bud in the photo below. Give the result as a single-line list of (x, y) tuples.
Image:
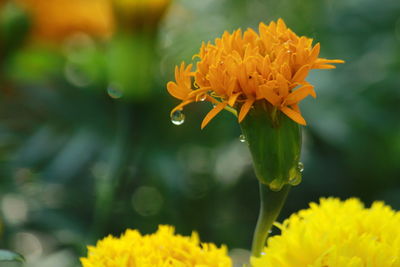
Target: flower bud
[(274, 141)]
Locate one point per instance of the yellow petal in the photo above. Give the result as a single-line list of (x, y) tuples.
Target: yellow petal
[(293, 115), (217, 109)]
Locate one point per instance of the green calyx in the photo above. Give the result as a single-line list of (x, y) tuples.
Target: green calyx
[(274, 141)]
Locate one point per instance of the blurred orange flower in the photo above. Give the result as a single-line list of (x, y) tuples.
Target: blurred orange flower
[(56, 19)]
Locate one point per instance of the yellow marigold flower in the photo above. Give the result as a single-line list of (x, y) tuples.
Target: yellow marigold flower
[(336, 234), (163, 248), (242, 68), (56, 19)]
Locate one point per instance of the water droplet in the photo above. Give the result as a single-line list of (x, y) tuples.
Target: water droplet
[(115, 91), (242, 138), (203, 97), (276, 185), (263, 253), (76, 75), (300, 167), (178, 117), (221, 63), (295, 180), (78, 47)]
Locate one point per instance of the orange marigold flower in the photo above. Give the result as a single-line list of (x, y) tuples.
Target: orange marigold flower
[(56, 19), (242, 68)]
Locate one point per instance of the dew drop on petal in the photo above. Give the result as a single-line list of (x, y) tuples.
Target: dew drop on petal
[(115, 91), (242, 138), (203, 97), (300, 167), (178, 118)]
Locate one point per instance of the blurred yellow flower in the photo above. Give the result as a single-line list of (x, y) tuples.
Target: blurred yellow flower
[(242, 68), (163, 248), (336, 234), (56, 19)]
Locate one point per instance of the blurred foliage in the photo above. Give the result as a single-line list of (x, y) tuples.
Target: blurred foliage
[(88, 149)]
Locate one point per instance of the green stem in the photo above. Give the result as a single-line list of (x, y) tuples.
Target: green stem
[(107, 185), (270, 207)]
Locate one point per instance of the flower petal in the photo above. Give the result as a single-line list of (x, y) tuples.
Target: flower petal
[(181, 105), (176, 91), (293, 115), (245, 109), (299, 94), (269, 94), (217, 109), (301, 74), (232, 99), (314, 53)]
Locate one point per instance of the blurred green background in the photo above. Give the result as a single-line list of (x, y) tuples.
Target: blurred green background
[(87, 147)]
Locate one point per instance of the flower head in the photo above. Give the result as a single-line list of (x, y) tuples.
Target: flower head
[(240, 69), (163, 248), (336, 234)]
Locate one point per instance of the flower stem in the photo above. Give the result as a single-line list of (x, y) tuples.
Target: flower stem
[(271, 203), (117, 162)]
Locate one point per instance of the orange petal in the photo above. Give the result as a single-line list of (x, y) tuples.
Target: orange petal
[(176, 91), (181, 105), (334, 61), (199, 91), (281, 25), (299, 94), (245, 109), (301, 74), (314, 53), (285, 70), (283, 85), (232, 99), (217, 109), (296, 108), (269, 94), (324, 67), (294, 115)]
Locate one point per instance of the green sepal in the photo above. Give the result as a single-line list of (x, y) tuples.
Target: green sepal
[(6, 255), (274, 141)]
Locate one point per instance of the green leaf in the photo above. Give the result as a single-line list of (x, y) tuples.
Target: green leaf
[(6, 255)]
